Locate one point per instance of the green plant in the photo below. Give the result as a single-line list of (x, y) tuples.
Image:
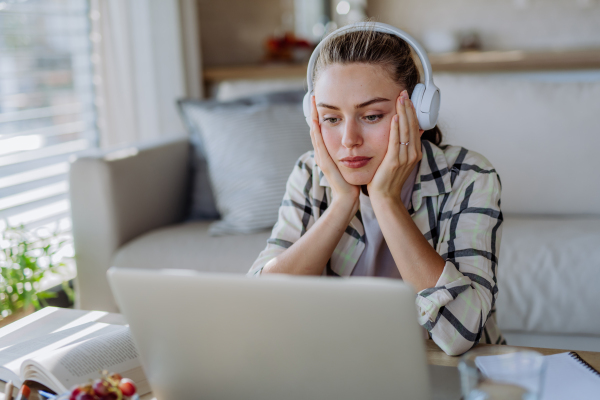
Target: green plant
[(26, 256)]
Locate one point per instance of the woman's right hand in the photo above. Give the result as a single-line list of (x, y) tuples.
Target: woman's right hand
[(342, 191), (310, 253)]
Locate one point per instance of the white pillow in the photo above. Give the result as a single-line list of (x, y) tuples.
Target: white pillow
[(251, 151)]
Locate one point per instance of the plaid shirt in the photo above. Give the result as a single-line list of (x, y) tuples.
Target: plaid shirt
[(456, 205)]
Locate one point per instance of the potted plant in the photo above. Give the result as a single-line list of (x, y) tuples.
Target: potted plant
[(26, 257)]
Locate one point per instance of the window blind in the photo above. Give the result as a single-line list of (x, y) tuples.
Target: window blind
[(47, 111)]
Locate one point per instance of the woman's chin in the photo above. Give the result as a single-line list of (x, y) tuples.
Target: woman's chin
[(357, 178)]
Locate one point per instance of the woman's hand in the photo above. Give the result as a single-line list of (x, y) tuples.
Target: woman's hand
[(342, 191), (400, 159)]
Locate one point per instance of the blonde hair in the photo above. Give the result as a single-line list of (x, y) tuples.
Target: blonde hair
[(371, 47)]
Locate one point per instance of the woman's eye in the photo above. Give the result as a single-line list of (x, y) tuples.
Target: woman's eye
[(331, 120), (373, 118)]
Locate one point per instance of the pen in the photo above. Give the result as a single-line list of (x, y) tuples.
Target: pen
[(24, 393), (8, 389)]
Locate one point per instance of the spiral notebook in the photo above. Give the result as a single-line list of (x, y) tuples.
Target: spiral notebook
[(568, 376)]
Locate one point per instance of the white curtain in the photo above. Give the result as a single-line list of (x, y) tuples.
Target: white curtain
[(146, 56)]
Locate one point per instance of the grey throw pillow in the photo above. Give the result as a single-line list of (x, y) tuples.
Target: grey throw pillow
[(249, 147)]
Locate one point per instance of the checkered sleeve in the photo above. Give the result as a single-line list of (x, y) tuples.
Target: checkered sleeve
[(455, 311), (295, 213)]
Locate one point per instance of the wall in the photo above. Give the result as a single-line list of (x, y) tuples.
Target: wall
[(503, 24), (233, 32)]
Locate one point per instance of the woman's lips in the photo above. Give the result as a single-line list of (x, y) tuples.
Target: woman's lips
[(355, 162)]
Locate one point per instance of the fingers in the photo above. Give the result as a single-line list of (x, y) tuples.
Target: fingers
[(313, 109), (322, 156), (315, 129), (414, 148), (314, 144), (401, 105), (394, 140)]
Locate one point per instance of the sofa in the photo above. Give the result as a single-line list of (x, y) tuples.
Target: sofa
[(540, 131)]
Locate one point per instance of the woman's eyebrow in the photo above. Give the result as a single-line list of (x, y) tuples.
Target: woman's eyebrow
[(327, 106), (372, 101), (361, 105)]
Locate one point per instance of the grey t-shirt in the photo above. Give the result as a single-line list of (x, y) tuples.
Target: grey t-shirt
[(376, 259)]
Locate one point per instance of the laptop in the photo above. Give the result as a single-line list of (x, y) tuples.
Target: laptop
[(224, 336)]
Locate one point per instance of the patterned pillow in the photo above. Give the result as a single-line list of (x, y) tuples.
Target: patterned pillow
[(248, 148)]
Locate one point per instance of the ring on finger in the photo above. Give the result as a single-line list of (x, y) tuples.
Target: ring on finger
[(405, 143)]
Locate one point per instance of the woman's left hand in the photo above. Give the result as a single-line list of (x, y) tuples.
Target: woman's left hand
[(400, 159)]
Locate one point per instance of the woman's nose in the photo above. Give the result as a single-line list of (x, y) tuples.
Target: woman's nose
[(352, 135)]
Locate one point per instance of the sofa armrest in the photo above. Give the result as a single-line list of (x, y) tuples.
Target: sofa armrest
[(117, 196)]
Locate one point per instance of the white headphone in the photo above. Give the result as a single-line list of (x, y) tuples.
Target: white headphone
[(425, 97)]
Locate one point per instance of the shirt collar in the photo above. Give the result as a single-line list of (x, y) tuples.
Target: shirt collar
[(433, 178), (322, 178)]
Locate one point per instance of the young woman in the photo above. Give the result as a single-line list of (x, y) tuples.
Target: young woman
[(380, 197)]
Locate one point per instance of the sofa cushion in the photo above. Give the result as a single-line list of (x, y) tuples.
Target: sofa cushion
[(541, 136), (251, 146), (571, 342), (189, 246), (549, 275)]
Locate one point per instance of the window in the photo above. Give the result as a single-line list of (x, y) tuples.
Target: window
[(46, 106), (47, 112)]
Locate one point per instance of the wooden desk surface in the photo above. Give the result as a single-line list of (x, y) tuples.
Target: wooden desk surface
[(435, 356)]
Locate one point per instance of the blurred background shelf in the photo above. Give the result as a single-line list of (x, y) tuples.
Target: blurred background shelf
[(468, 61), (257, 71), (516, 60)]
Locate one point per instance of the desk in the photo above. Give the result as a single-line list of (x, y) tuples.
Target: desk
[(435, 356)]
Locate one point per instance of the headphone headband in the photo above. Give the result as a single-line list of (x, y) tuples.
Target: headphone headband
[(376, 27), (426, 96)]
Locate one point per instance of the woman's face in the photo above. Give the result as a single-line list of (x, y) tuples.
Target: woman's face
[(356, 103)]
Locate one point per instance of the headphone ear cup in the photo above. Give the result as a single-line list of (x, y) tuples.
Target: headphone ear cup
[(306, 107), (417, 99)]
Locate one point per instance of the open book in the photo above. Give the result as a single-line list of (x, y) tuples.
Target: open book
[(59, 348)]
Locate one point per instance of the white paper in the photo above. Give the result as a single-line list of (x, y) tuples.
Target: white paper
[(565, 377)]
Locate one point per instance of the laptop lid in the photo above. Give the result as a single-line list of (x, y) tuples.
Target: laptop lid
[(224, 336)]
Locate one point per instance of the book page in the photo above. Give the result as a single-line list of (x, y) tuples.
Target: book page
[(82, 361), (11, 357), (50, 320)]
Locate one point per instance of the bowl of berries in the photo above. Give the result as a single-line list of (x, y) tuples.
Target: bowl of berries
[(108, 387)]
